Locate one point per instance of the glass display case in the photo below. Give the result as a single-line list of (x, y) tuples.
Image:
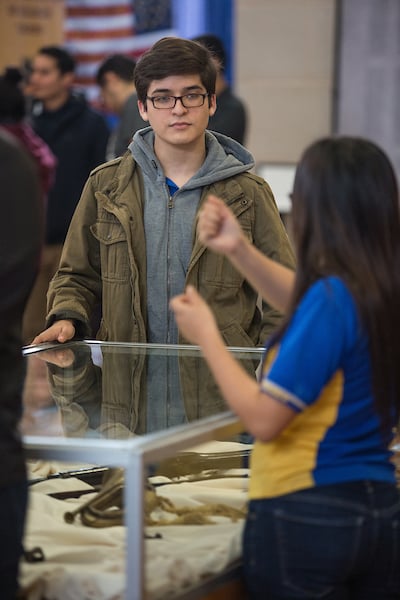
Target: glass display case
[(137, 473)]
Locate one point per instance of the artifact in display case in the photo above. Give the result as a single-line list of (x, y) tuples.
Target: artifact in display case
[(102, 534)]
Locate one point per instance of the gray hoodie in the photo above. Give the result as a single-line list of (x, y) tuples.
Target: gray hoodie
[(169, 229), (169, 221)]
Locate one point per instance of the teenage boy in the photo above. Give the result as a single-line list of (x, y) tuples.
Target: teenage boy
[(132, 243)]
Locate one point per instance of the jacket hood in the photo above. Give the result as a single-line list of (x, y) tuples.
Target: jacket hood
[(225, 158)]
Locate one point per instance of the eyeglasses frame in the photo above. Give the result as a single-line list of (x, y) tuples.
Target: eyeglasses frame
[(176, 98)]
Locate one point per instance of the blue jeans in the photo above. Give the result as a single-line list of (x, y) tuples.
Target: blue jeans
[(336, 542)]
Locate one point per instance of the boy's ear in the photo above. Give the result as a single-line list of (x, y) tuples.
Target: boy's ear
[(213, 105), (143, 110), (68, 80)]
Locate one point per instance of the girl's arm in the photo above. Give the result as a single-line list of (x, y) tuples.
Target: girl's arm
[(262, 416), (220, 231)]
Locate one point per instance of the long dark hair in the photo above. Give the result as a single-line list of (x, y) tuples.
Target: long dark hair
[(346, 222)]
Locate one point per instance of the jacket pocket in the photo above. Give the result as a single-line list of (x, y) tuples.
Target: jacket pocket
[(219, 271), (113, 250), (235, 336)]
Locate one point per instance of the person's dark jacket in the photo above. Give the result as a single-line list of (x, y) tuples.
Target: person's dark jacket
[(21, 231), (230, 118), (130, 121), (78, 137)]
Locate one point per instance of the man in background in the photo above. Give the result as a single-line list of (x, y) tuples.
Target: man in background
[(77, 136), (115, 79), (20, 241), (230, 117)]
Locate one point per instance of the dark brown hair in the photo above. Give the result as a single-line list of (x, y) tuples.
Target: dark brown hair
[(65, 62), (174, 56), (346, 222), (120, 64), (12, 100), (214, 45)]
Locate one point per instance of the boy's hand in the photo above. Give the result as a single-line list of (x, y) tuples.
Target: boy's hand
[(63, 357), (61, 331)]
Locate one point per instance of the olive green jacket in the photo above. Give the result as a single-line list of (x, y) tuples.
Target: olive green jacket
[(104, 260)]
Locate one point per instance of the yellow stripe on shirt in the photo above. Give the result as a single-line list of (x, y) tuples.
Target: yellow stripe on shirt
[(286, 464)]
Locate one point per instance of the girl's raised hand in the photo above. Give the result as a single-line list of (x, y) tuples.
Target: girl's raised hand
[(218, 228)]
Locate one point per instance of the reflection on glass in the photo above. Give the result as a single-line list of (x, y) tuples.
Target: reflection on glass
[(109, 390)]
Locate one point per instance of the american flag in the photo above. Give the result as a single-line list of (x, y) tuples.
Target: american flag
[(94, 29)]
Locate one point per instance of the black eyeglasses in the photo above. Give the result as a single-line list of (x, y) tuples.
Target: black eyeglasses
[(188, 100)]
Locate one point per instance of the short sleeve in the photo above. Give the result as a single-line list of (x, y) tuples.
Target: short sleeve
[(313, 346)]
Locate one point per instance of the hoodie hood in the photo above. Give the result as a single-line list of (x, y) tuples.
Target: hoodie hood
[(225, 158)]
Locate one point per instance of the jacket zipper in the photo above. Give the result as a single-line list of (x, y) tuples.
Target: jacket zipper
[(170, 206)]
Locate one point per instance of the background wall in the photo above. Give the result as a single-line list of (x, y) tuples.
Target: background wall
[(25, 25), (284, 56), (305, 68), (369, 73)]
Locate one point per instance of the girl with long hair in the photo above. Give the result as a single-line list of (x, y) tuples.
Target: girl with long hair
[(324, 512)]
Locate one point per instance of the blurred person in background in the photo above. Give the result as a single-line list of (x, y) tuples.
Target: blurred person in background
[(21, 232), (115, 79), (78, 136), (13, 119), (230, 118)]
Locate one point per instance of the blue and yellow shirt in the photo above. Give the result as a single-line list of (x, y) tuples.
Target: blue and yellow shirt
[(321, 369)]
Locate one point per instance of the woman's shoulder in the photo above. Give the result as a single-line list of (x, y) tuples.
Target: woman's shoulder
[(330, 286), (332, 295)]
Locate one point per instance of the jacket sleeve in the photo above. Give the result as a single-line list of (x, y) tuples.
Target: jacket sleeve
[(77, 392), (271, 238), (75, 290)]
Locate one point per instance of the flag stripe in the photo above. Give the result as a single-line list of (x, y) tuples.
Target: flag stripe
[(100, 35), (96, 57), (99, 11), (94, 29), (83, 24)]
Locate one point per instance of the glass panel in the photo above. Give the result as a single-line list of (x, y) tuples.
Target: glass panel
[(114, 391), (186, 543), (153, 515)]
